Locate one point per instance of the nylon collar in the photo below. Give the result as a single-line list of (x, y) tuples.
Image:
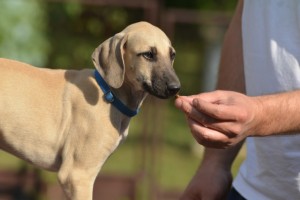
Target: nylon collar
[(111, 98)]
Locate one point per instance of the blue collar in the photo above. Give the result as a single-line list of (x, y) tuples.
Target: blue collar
[(111, 98)]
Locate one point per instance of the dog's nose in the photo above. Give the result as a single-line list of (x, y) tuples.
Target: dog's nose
[(173, 88)]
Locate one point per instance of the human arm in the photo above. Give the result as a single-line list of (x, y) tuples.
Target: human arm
[(213, 178), (221, 119)]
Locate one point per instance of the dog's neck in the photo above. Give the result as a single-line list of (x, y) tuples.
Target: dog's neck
[(133, 99), (125, 99)]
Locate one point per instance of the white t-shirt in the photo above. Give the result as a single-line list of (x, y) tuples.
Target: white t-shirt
[(271, 45)]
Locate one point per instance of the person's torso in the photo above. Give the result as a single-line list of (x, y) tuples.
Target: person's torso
[(271, 45)]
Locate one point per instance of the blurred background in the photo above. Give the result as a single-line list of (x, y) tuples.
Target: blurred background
[(159, 156)]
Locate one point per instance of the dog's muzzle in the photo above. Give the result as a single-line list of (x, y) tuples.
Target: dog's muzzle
[(162, 90), (173, 89)]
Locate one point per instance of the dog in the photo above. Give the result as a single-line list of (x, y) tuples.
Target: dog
[(70, 121)]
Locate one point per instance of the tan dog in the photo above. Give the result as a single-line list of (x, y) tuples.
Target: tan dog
[(59, 119)]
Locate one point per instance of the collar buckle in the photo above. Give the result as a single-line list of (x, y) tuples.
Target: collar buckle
[(109, 97)]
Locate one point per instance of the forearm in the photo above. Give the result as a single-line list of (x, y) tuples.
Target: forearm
[(222, 158), (231, 69), (278, 114)]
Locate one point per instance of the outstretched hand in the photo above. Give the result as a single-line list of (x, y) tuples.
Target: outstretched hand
[(220, 119)]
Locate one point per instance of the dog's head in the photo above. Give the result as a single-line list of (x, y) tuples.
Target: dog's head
[(141, 56)]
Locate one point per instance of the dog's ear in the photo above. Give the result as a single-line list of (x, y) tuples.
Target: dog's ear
[(108, 60)]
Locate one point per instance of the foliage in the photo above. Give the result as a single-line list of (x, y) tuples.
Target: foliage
[(22, 31), (76, 30)]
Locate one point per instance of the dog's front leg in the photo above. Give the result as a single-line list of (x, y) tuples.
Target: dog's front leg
[(77, 173), (80, 166), (77, 182)]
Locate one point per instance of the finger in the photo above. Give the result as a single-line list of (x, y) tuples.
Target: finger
[(193, 113), (225, 127), (201, 118), (213, 138), (183, 105), (208, 137), (209, 96), (179, 100), (187, 107), (228, 128), (182, 101), (178, 103), (212, 97), (186, 98), (217, 111)]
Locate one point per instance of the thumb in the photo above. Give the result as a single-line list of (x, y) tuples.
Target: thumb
[(178, 103)]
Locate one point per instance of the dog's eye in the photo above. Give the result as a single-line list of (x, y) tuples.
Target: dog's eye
[(148, 55), (173, 54)]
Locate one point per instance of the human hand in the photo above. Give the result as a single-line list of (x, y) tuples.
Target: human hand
[(220, 119), (209, 183)]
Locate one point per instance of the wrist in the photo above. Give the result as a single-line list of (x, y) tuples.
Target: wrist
[(216, 159), (221, 158), (259, 122), (278, 114), (271, 110)]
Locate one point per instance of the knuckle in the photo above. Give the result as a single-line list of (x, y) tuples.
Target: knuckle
[(236, 130), (242, 116), (193, 130), (231, 143), (201, 136), (186, 108), (219, 111), (205, 136)]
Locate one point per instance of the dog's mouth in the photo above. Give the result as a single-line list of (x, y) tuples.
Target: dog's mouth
[(162, 90)]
